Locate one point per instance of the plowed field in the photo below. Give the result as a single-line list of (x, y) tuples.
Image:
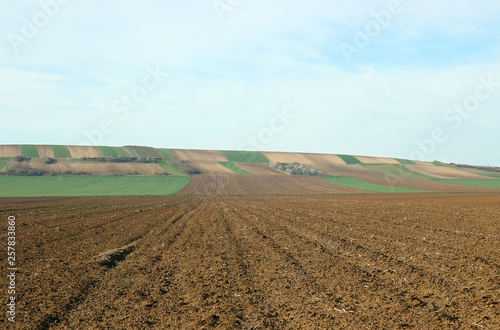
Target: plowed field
[(10, 151), (82, 151), (45, 151), (376, 160), (320, 262), (303, 158), (193, 155), (443, 172)]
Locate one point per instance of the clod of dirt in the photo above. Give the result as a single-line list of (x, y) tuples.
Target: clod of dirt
[(111, 257)]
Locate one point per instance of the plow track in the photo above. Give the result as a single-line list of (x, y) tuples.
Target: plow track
[(253, 262)]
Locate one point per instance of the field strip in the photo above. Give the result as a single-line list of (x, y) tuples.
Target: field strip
[(245, 156), (351, 182), (234, 168), (472, 182), (14, 186), (396, 171), (442, 172), (199, 155), (377, 160), (10, 151), (45, 151), (83, 152), (29, 151), (60, 151)]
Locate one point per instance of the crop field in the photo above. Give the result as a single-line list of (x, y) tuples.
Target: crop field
[(197, 155), (30, 151), (422, 261), (396, 171), (169, 168), (245, 156), (351, 182), (210, 167), (83, 151), (145, 152), (61, 151), (405, 161), (234, 168), (5, 163), (64, 165), (303, 158), (442, 172), (10, 151), (259, 169), (165, 153), (349, 159), (115, 152), (495, 183), (45, 151), (377, 160), (21, 186)]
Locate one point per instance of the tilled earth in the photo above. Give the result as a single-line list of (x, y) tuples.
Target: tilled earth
[(311, 262)]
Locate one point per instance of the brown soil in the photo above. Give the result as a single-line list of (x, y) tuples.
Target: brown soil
[(318, 262), (45, 151), (83, 151), (10, 151), (210, 167), (261, 185), (303, 158), (443, 172), (63, 165), (193, 155), (259, 169), (376, 160)]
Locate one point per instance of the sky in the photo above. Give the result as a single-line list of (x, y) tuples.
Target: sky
[(407, 79)]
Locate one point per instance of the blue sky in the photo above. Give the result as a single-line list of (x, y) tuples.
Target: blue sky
[(224, 80)]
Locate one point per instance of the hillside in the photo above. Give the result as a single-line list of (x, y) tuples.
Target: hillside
[(222, 172)]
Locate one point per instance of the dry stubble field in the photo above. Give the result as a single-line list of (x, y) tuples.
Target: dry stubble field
[(310, 262)]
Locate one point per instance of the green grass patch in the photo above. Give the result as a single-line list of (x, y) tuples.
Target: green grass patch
[(113, 152), (169, 168), (61, 152), (165, 153), (245, 156), (396, 171), (349, 159), (405, 161), (5, 163), (30, 151), (351, 182), (473, 182), (235, 168), (53, 186)]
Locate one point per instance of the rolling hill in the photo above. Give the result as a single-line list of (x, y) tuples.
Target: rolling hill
[(65, 170)]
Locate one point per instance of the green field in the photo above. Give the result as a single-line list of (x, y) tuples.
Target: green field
[(491, 175), (29, 151), (4, 163), (405, 161), (165, 153), (234, 168), (349, 159), (113, 152), (41, 186), (473, 182), (396, 171), (132, 152), (351, 182), (246, 156), (169, 168), (146, 152), (61, 152)]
